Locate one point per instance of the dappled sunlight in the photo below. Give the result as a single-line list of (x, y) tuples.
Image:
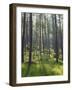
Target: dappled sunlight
[(42, 44), (42, 69)]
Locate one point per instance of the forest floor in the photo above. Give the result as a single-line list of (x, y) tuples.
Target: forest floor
[(42, 67)]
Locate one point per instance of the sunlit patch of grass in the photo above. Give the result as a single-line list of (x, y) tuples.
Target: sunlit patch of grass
[(58, 70), (42, 70), (42, 65), (24, 69)]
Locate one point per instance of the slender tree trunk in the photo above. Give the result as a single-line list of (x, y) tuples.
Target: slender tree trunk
[(30, 52), (36, 35), (45, 31), (48, 31), (54, 25), (23, 38), (56, 42), (27, 32), (53, 29), (61, 36), (40, 33)]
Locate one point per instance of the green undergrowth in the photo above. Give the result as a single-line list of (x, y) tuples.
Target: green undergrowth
[(40, 69)]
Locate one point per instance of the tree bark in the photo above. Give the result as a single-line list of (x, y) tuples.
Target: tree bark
[(23, 38), (40, 33), (56, 42), (61, 36), (30, 52), (54, 25), (48, 31)]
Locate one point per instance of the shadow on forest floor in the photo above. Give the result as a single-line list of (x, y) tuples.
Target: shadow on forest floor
[(41, 69)]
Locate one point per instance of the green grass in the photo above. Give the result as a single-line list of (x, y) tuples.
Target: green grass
[(42, 69), (42, 66)]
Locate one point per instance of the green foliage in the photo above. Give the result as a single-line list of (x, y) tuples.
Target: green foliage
[(42, 64), (44, 32), (52, 54), (26, 56), (41, 69)]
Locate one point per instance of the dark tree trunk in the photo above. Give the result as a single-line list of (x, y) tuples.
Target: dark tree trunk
[(30, 52), (42, 36), (62, 44), (27, 31), (45, 31), (56, 41), (40, 33), (61, 36), (53, 29), (48, 30), (36, 35), (23, 38)]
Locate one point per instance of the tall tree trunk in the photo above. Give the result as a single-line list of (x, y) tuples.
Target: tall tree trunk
[(40, 34), (61, 36), (54, 25), (53, 29), (27, 32), (56, 42), (45, 31), (30, 52), (23, 37), (48, 31), (36, 35)]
